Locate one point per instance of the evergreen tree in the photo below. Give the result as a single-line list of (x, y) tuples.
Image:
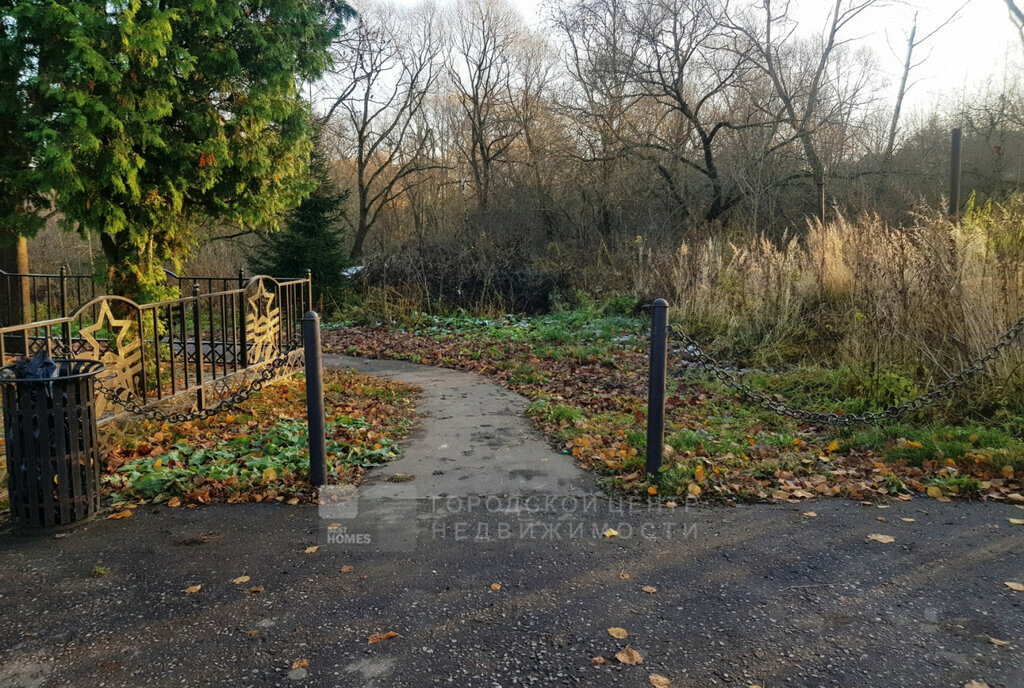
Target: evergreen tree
[(139, 120), (312, 238)]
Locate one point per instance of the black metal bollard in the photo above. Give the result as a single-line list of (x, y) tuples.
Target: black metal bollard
[(656, 388), (314, 399)]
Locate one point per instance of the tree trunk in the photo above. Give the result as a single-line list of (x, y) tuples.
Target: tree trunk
[(15, 296)]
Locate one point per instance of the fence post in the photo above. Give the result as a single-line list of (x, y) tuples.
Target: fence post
[(656, 388), (65, 329), (314, 399), (197, 342), (954, 174), (243, 343), (309, 287)]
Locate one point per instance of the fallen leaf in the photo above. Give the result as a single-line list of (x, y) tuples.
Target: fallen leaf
[(975, 684), (240, 580), (293, 501), (254, 590), (629, 656), (810, 514), (381, 637), (312, 550), (881, 519), (693, 490), (619, 633), (495, 587), (1016, 497), (884, 539), (348, 568), (610, 533), (908, 520), (598, 661), (652, 490), (300, 664), (173, 502), (659, 681), (649, 589), (934, 492), (997, 642), (623, 575), (252, 634), (120, 514), (1016, 521), (670, 505), (832, 446), (1013, 585), (193, 589)]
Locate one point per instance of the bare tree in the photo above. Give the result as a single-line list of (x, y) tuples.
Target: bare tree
[(387, 65), (482, 41), (801, 77)]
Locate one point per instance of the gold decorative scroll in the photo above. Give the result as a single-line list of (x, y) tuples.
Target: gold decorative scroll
[(262, 324)]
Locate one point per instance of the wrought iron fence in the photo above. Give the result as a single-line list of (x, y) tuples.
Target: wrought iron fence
[(48, 295), (176, 348)]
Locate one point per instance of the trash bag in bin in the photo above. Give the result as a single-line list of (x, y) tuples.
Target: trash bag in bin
[(53, 461)]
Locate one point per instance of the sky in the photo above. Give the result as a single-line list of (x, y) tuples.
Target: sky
[(963, 54)]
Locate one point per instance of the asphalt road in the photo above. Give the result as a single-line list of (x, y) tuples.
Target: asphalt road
[(754, 595)]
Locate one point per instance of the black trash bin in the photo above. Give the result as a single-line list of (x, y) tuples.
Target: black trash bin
[(53, 460)]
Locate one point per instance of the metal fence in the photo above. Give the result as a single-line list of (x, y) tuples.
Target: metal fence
[(176, 348)]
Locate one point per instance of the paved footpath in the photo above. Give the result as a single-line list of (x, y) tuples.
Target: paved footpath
[(751, 595)]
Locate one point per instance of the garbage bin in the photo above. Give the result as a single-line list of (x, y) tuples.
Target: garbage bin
[(53, 461)]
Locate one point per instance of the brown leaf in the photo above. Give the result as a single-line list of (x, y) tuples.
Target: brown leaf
[(1019, 587), (193, 589), (300, 664), (997, 642), (348, 568), (254, 590), (618, 633), (240, 580), (975, 684), (659, 681), (495, 587), (598, 661), (649, 589), (810, 514), (884, 539), (127, 513), (252, 634), (623, 575), (174, 502), (629, 656), (381, 637)]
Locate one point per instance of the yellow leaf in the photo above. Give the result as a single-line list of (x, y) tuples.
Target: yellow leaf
[(915, 445), (659, 681), (300, 664), (312, 550), (293, 501), (649, 589), (381, 637), (832, 446), (693, 490), (810, 514), (240, 580), (1019, 587), (619, 633), (999, 643), (173, 502), (698, 473), (884, 539), (1016, 521), (1007, 472), (158, 463), (269, 474), (610, 533), (193, 589), (934, 492), (120, 514), (629, 656), (670, 505), (652, 490), (495, 587)]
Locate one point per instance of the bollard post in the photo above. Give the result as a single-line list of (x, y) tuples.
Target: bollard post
[(656, 388), (314, 399)]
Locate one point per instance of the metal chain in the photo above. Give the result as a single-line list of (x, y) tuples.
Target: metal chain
[(266, 375), (943, 391)]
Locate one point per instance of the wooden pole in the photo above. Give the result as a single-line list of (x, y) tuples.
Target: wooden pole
[(954, 175)]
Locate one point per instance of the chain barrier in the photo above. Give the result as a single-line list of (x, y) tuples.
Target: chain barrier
[(942, 391), (131, 405)]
